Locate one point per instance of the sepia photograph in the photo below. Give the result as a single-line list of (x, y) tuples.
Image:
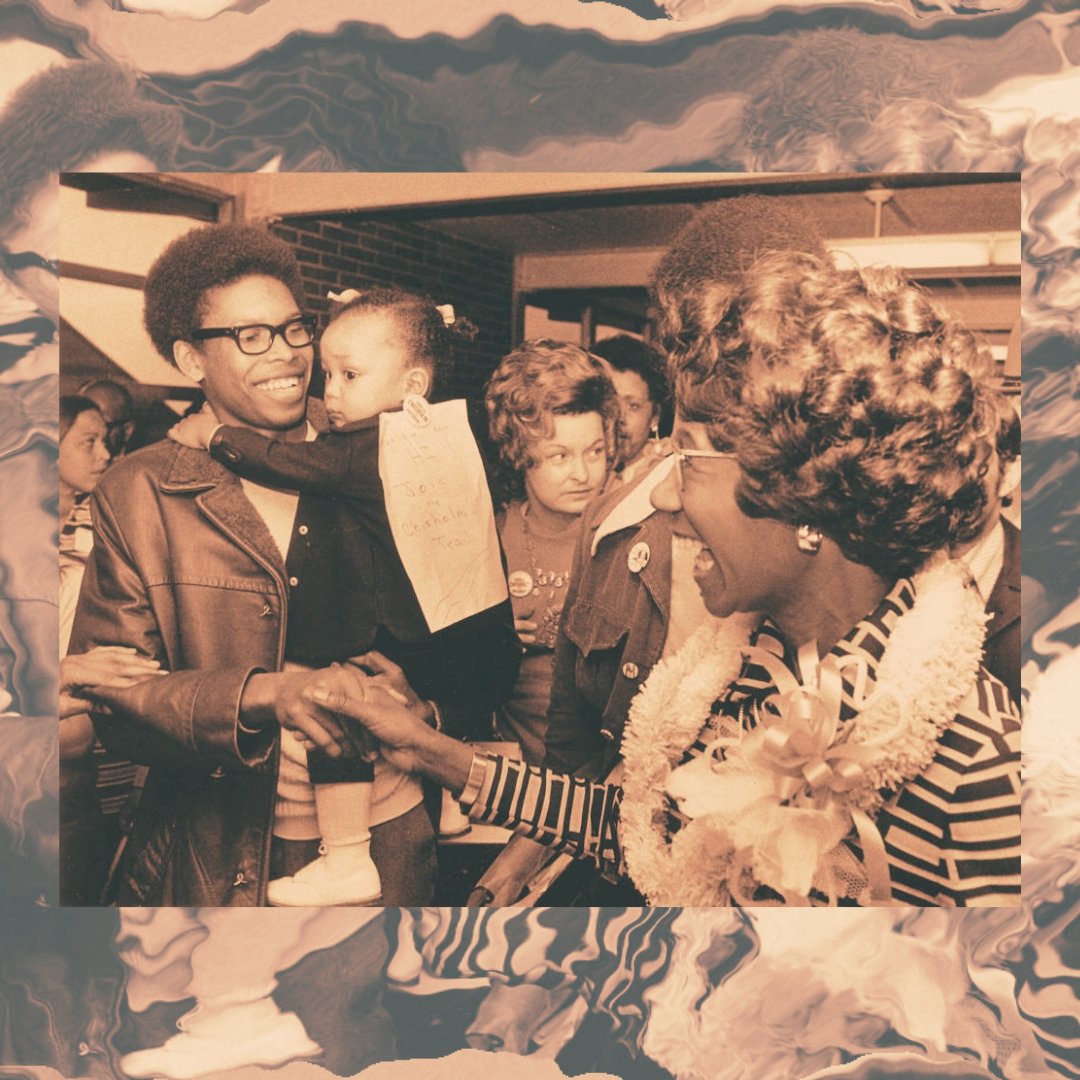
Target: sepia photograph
[(654, 523), (528, 497)]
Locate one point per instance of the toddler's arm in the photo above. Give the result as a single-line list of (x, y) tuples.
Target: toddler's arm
[(344, 463)]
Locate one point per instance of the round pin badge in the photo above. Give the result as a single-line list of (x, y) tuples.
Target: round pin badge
[(520, 583), (638, 558), (417, 409)]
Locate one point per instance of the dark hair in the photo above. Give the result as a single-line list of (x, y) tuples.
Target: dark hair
[(626, 353), (536, 381), (72, 406), (66, 116), (428, 336), (204, 259), (852, 401), (1008, 442), (111, 389), (724, 239)]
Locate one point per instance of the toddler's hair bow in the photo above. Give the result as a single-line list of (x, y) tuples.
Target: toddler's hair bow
[(345, 297), (447, 313)]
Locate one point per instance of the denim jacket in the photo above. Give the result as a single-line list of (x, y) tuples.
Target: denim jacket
[(612, 633)]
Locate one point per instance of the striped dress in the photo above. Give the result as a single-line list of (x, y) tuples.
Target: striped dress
[(951, 834)]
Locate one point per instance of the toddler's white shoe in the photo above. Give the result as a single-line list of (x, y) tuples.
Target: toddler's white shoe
[(339, 877)]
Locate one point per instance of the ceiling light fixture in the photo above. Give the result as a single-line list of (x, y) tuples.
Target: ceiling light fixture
[(957, 251)]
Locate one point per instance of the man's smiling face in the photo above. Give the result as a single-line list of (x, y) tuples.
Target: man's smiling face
[(266, 392)]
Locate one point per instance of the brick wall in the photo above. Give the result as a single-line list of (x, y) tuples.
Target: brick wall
[(337, 253)]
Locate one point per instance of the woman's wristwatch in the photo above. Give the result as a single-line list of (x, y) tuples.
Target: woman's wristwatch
[(471, 791)]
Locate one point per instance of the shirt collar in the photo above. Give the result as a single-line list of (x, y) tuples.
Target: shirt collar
[(636, 507), (986, 559)]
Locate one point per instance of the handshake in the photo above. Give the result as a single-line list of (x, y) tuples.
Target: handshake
[(362, 708)]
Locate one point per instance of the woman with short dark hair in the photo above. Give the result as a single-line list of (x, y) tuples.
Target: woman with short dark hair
[(85, 838)]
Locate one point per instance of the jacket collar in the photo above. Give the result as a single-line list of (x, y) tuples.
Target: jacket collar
[(221, 497), (191, 469), (636, 507), (651, 527), (194, 469)]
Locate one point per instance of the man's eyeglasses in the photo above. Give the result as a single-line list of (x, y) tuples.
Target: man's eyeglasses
[(256, 339), (684, 460), (21, 260)]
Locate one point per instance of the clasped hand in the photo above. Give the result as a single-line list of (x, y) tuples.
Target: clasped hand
[(359, 708), (105, 667)]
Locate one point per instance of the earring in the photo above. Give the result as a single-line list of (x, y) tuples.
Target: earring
[(654, 433), (808, 539)]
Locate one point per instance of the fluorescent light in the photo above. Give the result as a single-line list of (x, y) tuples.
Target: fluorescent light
[(933, 252)]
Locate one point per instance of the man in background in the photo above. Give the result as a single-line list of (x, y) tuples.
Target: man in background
[(115, 403)]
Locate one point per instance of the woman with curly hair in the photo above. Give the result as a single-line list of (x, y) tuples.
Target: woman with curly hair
[(552, 412), (840, 742)]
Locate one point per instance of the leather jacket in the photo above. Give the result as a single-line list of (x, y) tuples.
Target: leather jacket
[(355, 594), (185, 571)]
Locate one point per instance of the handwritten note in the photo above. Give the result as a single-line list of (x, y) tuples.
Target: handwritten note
[(440, 512)]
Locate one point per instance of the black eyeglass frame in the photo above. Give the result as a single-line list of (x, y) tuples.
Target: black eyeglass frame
[(206, 333)]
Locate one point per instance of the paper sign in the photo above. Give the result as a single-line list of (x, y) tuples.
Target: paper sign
[(440, 513)]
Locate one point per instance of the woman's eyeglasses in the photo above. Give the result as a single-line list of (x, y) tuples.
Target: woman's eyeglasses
[(257, 338), (684, 460)]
